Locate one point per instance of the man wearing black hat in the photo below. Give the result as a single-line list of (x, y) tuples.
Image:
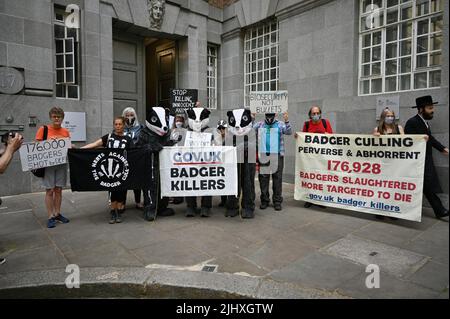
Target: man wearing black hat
[(419, 125)]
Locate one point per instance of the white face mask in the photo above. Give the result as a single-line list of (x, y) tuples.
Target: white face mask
[(316, 117), (389, 119), (178, 124)]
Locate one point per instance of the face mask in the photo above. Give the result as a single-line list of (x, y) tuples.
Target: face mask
[(315, 117), (389, 120), (270, 119), (178, 124), (130, 120)]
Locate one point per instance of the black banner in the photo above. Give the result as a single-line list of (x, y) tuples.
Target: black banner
[(182, 99), (109, 169)]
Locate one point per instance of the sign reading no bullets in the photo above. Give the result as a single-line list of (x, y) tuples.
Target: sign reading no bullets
[(269, 102), (193, 171), (44, 154), (183, 99), (377, 175)]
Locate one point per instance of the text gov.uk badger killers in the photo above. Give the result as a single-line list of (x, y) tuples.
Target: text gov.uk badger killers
[(203, 171)]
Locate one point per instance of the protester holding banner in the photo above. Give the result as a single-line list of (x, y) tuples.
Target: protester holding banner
[(387, 126), (316, 124), (177, 135), (219, 140), (198, 119), (117, 139), (55, 177), (153, 137), (132, 129), (419, 125), (271, 143), (243, 137)]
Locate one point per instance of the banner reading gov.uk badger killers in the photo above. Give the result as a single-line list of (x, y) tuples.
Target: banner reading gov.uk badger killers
[(198, 171), (378, 175), (105, 169)]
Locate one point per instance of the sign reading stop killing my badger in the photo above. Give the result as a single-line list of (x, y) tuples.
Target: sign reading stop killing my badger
[(378, 175), (198, 171), (268, 102), (44, 154)]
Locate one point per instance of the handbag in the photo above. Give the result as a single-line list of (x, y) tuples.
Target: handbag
[(40, 172)]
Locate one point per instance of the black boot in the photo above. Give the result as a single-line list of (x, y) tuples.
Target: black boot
[(149, 214), (205, 212)]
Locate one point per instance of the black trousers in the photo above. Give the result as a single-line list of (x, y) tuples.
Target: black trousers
[(152, 195), (277, 183), (434, 201), (246, 186), (192, 201), (137, 195)]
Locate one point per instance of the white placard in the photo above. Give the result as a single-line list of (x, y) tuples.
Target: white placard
[(44, 153), (368, 174), (75, 123), (196, 171), (269, 102), (197, 139)]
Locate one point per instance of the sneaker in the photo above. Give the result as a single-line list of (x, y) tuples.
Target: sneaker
[(51, 222), (149, 214), (190, 212), (231, 213), (166, 212), (205, 212), (307, 205), (277, 206), (60, 218), (112, 220), (248, 213), (264, 205), (2, 261), (118, 218)]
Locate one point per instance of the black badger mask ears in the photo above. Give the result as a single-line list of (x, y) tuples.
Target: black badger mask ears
[(158, 120), (198, 118), (240, 121)]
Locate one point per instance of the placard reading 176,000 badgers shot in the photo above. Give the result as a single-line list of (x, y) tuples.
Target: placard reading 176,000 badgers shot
[(44, 154)]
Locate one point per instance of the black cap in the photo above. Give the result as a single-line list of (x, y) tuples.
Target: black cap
[(424, 101)]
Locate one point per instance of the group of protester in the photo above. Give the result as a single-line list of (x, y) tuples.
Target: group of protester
[(129, 133)]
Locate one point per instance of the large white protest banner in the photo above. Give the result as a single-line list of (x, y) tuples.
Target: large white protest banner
[(268, 102), (198, 171), (44, 154), (378, 175)]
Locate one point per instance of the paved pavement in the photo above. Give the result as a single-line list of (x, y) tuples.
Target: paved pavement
[(295, 253)]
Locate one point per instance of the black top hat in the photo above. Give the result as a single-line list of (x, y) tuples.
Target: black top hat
[(424, 101)]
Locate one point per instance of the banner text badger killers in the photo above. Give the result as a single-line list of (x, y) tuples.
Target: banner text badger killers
[(195, 171)]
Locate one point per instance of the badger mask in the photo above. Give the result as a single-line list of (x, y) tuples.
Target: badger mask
[(198, 118), (158, 120), (240, 122)]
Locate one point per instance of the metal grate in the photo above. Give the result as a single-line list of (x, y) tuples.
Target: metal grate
[(209, 268)]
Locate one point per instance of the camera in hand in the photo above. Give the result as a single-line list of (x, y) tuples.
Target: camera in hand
[(5, 136)]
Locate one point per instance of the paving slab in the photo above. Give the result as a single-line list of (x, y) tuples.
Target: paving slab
[(433, 276), (399, 262), (319, 271)]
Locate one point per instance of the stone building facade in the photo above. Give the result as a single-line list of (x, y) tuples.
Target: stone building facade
[(322, 51)]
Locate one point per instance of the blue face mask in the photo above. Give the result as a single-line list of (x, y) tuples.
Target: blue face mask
[(315, 117), (389, 120)]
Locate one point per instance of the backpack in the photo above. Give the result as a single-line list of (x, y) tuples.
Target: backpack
[(324, 123)]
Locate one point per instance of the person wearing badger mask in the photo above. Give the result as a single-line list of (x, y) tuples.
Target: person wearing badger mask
[(153, 137), (132, 129), (271, 143), (198, 119), (242, 136)]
